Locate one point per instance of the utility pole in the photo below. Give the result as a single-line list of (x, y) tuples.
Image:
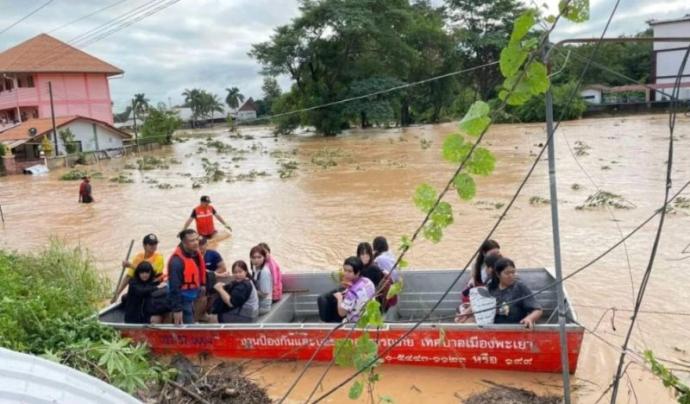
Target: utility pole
[(134, 117), (52, 116)]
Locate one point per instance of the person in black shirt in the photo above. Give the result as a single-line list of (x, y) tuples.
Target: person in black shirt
[(141, 287), (506, 289)]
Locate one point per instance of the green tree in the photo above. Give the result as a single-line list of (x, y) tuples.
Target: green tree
[(140, 104), (159, 126), (271, 91), (234, 97), (67, 138), (482, 28), (124, 115)]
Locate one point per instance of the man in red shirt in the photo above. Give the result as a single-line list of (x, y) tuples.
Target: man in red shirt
[(85, 190), (203, 214)]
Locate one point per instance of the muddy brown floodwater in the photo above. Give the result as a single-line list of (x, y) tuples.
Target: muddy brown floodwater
[(359, 185)]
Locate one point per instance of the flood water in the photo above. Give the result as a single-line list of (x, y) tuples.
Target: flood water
[(315, 219)]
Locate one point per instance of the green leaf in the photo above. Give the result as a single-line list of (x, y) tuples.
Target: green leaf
[(442, 216), (465, 186), (405, 243), (482, 163), (356, 390), (517, 94), (454, 148), (512, 58), (403, 264), (395, 289), (522, 25), (365, 352), (476, 119), (537, 78), (371, 315), (344, 352), (433, 232), (575, 11), (386, 399), (550, 19), (425, 197)]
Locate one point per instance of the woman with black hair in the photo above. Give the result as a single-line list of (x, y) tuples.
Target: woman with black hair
[(507, 289), (141, 288), (479, 274), (348, 304), (239, 301), (366, 254)]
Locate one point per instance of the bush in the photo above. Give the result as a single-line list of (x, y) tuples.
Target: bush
[(2, 150), (47, 309)]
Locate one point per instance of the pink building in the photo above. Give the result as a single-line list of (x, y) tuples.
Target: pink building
[(79, 81)]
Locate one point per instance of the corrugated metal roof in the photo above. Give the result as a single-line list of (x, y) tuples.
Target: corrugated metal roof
[(30, 379)]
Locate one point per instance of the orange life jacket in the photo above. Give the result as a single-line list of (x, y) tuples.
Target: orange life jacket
[(193, 276), (204, 220)]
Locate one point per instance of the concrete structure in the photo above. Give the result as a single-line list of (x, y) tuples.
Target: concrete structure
[(24, 140), (667, 56), (592, 94), (79, 82)]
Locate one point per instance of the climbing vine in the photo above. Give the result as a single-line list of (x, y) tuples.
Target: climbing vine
[(681, 390), (524, 77)]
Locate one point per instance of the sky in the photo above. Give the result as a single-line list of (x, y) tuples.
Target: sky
[(204, 43)]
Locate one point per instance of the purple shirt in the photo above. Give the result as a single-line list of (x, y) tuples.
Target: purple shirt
[(385, 261), (357, 296)]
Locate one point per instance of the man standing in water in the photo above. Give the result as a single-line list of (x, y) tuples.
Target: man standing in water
[(203, 214), (85, 190)]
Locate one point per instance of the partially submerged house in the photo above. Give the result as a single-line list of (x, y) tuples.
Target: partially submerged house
[(81, 101)]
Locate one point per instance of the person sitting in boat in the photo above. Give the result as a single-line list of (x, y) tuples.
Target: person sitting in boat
[(142, 286), (385, 260), (480, 276), (506, 289), (238, 302), (276, 274), (263, 279), (203, 214), (187, 277), (366, 254), (351, 302), (212, 258), (464, 312), (150, 255)]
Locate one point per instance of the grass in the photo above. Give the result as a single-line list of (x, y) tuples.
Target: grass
[(581, 148), (327, 157), (77, 174), (425, 143), (122, 179), (151, 163), (287, 169)]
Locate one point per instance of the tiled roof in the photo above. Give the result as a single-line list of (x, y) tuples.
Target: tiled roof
[(45, 54), (249, 105), (45, 125)]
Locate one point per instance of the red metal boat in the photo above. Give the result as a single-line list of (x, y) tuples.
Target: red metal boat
[(292, 329)]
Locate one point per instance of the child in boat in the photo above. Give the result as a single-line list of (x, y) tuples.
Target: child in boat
[(506, 288), (479, 274), (275, 273), (464, 312), (263, 279), (141, 289), (384, 259), (238, 302), (366, 254), (360, 290)]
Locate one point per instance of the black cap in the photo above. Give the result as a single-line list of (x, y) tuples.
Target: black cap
[(206, 199), (150, 239)]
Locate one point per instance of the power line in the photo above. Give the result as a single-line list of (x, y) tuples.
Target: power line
[(645, 280), (26, 16), (87, 16)]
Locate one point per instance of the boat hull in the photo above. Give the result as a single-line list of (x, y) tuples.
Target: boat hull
[(475, 348)]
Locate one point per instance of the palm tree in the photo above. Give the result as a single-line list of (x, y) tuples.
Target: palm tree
[(192, 99), (212, 104), (234, 98), (140, 104)]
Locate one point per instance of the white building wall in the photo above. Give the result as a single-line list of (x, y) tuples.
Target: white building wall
[(591, 96), (83, 131), (668, 62)]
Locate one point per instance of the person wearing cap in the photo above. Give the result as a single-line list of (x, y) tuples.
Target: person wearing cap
[(150, 255), (203, 214), (85, 190)]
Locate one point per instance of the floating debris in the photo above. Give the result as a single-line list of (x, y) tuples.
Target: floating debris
[(605, 198), (538, 200)]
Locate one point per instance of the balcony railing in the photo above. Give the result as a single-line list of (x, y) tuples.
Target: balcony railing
[(25, 97)]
